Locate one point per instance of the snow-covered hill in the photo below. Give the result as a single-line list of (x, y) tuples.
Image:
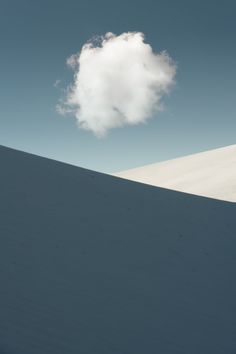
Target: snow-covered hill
[(91, 263), (211, 174)]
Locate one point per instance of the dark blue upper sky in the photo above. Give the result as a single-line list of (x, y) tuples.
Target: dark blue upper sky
[(36, 38)]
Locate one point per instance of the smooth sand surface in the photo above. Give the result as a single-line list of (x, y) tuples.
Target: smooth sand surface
[(94, 264), (211, 174)]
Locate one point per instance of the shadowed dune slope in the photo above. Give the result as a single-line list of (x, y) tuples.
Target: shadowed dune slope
[(95, 264)]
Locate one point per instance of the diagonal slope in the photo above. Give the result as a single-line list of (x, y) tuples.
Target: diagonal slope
[(91, 263), (210, 174)]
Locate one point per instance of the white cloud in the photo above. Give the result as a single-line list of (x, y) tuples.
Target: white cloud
[(57, 83), (118, 80)]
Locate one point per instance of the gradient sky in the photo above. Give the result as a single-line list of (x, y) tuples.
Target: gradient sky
[(37, 37)]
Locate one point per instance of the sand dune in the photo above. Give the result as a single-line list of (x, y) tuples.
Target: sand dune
[(211, 174), (91, 263)]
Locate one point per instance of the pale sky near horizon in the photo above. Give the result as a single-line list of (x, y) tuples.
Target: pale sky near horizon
[(37, 37)]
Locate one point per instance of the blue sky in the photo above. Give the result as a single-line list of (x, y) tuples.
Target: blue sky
[(38, 36)]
